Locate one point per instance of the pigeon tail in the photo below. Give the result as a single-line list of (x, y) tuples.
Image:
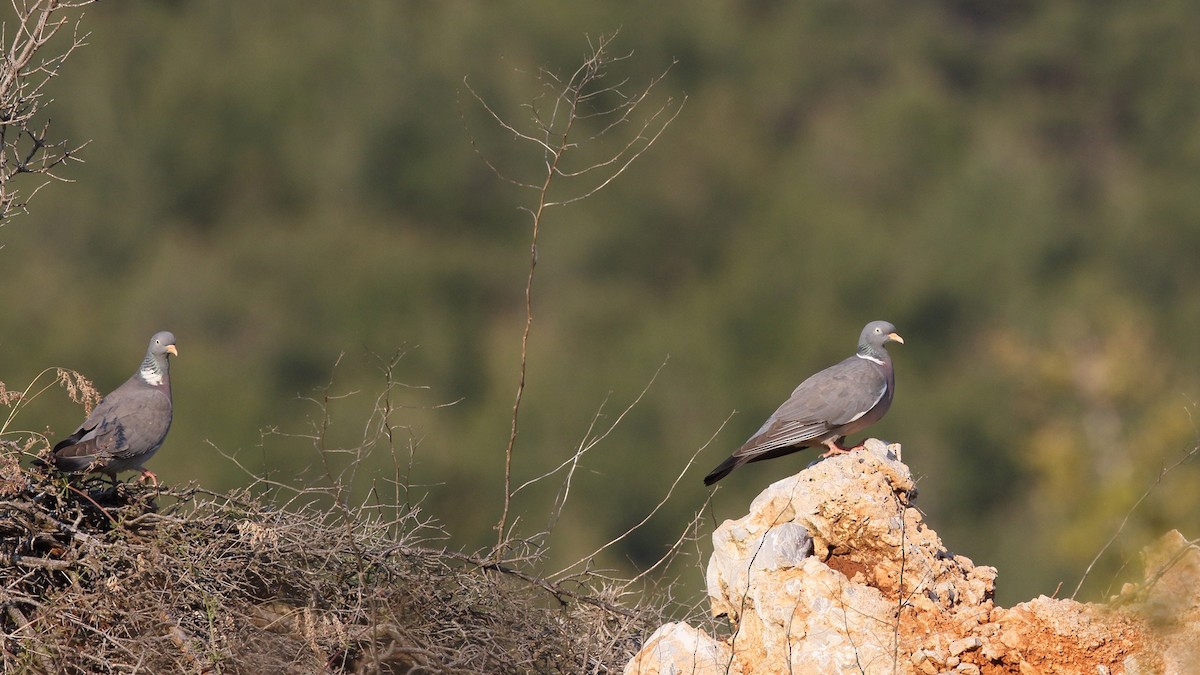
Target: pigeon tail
[(723, 470)]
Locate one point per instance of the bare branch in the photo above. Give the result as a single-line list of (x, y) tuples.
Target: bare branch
[(27, 65), (561, 107), (653, 511), (589, 441), (623, 166)]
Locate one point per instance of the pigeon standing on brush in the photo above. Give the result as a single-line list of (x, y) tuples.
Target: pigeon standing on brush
[(840, 400), (129, 425)]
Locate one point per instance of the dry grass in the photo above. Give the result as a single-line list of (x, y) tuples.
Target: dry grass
[(136, 580)]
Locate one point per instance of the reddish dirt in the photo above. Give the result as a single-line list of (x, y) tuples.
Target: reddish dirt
[(1044, 636), (849, 568), (1041, 637)]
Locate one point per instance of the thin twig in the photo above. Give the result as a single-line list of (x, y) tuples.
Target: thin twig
[(557, 590), (648, 516), (1144, 589), (1125, 521)]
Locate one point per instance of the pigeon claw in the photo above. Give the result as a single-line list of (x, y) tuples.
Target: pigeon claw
[(834, 448), (147, 473)]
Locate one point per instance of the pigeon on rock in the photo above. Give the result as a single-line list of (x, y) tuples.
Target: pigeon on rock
[(840, 400), (129, 425)]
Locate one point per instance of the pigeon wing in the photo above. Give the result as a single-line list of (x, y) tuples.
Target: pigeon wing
[(131, 421), (818, 407)]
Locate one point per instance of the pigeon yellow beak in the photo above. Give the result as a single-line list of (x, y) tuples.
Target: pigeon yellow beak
[(895, 337), (175, 352)]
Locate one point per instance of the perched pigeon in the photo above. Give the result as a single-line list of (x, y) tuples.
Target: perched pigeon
[(128, 425), (838, 401)]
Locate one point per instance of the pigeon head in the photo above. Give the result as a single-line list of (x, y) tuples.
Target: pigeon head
[(874, 336), (163, 343), (154, 366)]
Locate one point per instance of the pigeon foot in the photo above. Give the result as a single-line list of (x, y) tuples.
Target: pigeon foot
[(835, 449), (147, 473)]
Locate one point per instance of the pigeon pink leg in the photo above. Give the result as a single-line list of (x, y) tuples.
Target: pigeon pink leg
[(834, 448)]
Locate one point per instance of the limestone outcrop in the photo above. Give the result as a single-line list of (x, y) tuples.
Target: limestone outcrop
[(834, 570)]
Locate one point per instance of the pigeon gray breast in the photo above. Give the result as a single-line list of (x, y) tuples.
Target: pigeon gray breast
[(840, 400), (129, 425)]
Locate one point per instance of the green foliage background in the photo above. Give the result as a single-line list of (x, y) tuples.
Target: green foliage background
[(1012, 184)]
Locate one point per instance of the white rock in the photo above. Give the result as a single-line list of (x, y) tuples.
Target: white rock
[(679, 649)]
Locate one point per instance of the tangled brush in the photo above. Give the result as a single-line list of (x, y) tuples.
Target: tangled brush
[(133, 579)]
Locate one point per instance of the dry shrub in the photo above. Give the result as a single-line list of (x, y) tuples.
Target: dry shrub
[(139, 580)]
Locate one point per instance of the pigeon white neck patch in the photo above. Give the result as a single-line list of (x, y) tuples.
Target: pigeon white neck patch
[(872, 359), (151, 376)]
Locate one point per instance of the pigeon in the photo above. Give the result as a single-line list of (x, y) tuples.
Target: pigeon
[(840, 400), (129, 425)]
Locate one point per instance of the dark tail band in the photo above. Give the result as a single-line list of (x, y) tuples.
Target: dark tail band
[(721, 471)]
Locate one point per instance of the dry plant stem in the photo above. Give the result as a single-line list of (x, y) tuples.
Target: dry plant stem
[(653, 511), (384, 408), (79, 390), (555, 589), (690, 533), (901, 600), (1125, 521), (24, 626), (340, 488), (24, 398), (555, 154), (1159, 573), (588, 442), (26, 148), (850, 636), (93, 502), (578, 98), (501, 535)]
